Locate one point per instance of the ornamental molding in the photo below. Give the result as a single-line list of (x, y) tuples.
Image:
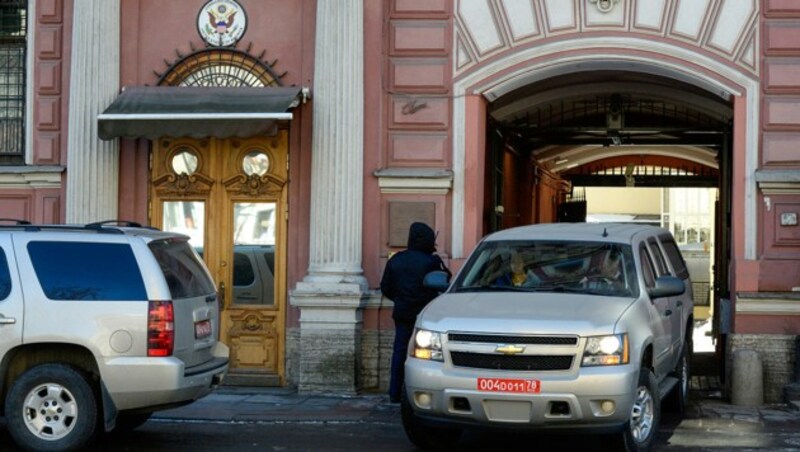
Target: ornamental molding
[(183, 185), (248, 323), (727, 31), (254, 185), (16, 177), (604, 6), (431, 181), (760, 306)]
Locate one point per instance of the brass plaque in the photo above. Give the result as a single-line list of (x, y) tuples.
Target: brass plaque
[(402, 214)]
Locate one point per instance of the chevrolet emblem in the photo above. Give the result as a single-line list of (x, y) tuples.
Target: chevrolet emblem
[(508, 349)]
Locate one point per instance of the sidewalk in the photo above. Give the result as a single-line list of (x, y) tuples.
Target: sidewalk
[(250, 404)]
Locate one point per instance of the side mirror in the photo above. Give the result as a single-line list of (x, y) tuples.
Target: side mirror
[(436, 280), (667, 286)]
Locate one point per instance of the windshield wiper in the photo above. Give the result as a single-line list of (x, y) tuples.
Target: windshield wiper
[(559, 288), (494, 288)]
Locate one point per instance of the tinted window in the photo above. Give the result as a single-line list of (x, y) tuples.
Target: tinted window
[(270, 260), (184, 271), (675, 257), (5, 276), (658, 258), (87, 271), (243, 274), (647, 268)]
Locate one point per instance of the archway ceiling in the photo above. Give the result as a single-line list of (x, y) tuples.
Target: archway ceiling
[(564, 158), (579, 118)]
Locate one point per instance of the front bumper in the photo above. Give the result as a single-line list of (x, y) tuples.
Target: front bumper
[(594, 398)]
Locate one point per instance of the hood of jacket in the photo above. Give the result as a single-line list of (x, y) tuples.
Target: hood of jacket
[(421, 238)]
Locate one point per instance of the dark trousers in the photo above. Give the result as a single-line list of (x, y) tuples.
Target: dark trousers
[(402, 334)]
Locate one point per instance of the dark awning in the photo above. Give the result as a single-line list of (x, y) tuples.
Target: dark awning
[(198, 112)]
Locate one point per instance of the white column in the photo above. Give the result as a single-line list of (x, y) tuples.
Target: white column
[(331, 297), (337, 145), (92, 164)]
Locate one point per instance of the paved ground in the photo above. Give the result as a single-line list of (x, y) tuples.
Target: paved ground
[(246, 404), (710, 424)]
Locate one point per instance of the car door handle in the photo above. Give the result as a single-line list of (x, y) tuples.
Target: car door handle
[(668, 313), (679, 303), (7, 320)]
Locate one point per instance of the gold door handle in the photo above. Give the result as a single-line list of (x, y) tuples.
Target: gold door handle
[(222, 295)]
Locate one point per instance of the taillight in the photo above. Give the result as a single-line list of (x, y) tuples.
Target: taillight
[(160, 328)]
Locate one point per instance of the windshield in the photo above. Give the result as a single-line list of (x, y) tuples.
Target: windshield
[(596, 268)]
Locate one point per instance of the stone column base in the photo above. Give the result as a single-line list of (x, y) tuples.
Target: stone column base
[(330, 336)]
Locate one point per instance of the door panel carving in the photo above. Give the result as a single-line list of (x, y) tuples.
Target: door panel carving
[(229, 196)]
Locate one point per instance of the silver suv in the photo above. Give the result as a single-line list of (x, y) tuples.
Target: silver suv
[(100, 326), (558, 326)]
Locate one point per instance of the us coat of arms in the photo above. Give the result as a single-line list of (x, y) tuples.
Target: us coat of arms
[(221, 23)]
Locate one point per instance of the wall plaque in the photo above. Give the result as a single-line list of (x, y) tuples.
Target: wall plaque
[(402, 214)]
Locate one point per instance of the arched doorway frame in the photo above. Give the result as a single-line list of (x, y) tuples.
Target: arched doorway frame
[(484, 83)]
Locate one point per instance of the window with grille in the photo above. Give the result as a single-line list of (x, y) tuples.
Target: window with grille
[(13, 46)]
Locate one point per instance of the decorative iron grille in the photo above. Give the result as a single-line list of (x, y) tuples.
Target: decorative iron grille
[(13, 44), (220, 67)]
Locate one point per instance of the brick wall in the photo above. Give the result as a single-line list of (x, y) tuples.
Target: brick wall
[(777, 353)]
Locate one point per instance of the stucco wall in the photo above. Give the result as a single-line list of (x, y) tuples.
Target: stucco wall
[(779, 161)]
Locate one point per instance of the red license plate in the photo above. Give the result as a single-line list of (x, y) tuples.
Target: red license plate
[(202, 329), (509, 385)]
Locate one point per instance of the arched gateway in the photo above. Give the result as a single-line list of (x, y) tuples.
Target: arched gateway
[(513, 55), (497, 54)]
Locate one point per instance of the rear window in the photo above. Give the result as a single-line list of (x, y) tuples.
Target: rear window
[(269, 258), (87, 271), (184, 271), (243, 274)]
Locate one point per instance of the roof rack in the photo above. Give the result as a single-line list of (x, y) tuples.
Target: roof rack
[(98, 226)]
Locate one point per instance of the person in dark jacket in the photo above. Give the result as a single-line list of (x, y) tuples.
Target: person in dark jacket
[(402, 283)]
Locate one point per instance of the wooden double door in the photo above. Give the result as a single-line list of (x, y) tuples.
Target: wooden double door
[(229, 196)]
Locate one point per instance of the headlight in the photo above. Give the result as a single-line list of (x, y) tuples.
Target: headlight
[(606, 350), (427, 345)]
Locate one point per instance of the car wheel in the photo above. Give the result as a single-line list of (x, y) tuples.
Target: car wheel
[(127, 422), (51, 407), (423, 436), (678, 399), (640, 430)]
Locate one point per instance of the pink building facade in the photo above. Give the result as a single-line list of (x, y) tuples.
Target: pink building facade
[(394, 113)]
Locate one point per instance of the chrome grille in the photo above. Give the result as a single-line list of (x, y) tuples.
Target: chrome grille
[(507, 339), (511, 362)]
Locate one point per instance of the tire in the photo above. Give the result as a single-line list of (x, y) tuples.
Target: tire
[(423, 436), (51, 407), (678, 399), (640, 431), (127, 422)]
